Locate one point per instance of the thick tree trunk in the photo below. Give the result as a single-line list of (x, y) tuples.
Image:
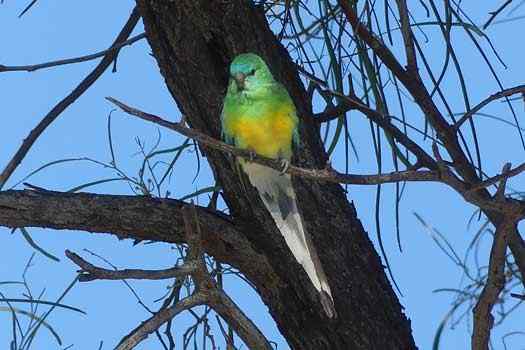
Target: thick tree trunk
[(194, 42)]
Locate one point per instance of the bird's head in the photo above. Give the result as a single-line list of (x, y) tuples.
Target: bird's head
[(249, 72)]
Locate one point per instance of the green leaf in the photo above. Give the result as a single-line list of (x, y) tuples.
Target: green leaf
[(98, 182), (35, 246), (43, 302), (34, 317), (441, 327), (201, 191), (66, 160)]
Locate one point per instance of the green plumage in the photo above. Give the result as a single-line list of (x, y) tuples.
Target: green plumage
[(259, 115)]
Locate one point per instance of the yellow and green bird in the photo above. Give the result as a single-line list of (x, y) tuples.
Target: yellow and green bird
[(259, 115)]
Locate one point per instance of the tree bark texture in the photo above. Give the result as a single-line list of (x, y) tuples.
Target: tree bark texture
[(194, 42)]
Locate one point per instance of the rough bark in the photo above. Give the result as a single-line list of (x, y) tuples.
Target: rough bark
[(193, 42), (135, 217)]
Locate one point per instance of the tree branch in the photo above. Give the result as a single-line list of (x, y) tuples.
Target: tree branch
[(113, 49), (328, 174), (483, 319), (158, 319), (406, 30), (352, 102), (136, 217), (68, 100), (206, 292), (503, 93), (494, 14), (414, 85), (218, 300), (495, 179), (90, 272)]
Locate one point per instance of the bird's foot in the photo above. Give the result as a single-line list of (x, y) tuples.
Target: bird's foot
[(183, 119), (285, 163), (251, 155)]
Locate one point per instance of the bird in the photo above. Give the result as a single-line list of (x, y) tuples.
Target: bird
[(259, 115)]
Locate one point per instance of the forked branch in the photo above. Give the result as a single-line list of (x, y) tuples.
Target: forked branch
[(205, 292)]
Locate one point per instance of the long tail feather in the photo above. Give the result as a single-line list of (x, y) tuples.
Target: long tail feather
[(277, 193)]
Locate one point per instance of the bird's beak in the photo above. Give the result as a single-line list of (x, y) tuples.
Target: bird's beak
[(239, 80)]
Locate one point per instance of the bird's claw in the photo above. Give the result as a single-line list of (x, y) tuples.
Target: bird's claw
[(285, 163)]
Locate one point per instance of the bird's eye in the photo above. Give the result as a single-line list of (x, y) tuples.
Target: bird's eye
[(252, 72)]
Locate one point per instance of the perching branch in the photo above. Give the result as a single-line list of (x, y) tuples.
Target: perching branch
[(328, 174)]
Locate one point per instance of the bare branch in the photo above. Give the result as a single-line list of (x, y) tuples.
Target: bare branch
[(494, 14), (156, 321), (34, 67), (139, 218), (206, 292), (495, 179), (503, 93), (406, 30), (90, 272), (217, 299), (483, 319), (68, 100)]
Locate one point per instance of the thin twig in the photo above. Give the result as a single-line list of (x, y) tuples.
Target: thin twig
[(206, 292), (408, 40), (68, 100), (90, 272), (495, 179), (156, 321), (35, 67), (494, 14), (503, 93)]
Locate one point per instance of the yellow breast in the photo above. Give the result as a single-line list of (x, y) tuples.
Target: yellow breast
[(269, 135)]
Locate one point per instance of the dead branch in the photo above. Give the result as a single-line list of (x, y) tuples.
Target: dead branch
[(483, 319), (158, 319), (34, 67), (206, 292), (520, 89), (90, 272), (139, 218)]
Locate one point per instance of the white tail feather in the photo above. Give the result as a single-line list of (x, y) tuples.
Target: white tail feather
[(278, 195)]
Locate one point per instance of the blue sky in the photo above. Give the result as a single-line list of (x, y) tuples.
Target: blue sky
[(54, 30)]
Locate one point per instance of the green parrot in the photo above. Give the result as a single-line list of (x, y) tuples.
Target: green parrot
[(259, 115)]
